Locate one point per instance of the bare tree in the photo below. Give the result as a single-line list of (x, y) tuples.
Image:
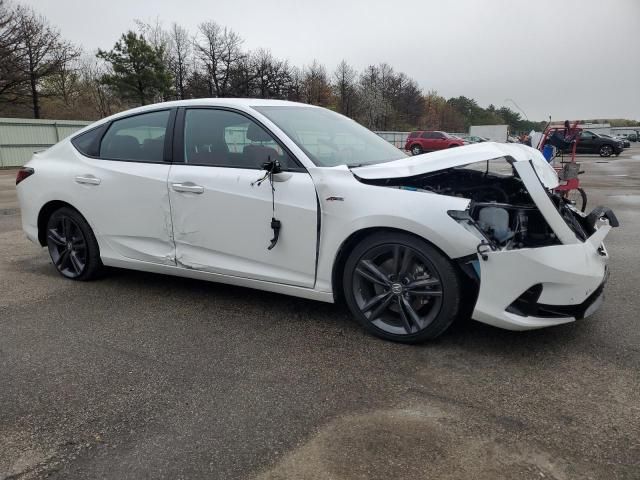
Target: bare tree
[(242, 78), (315, 85), (102, 99), (370, 90), (65, 82), (219, 49), (262, 62), (271, 76), (10, 79), (41, 51), (154, 34), (295, 85), (179, 58), (344, 86)]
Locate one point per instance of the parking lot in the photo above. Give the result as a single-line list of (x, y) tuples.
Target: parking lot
[(147, 376)]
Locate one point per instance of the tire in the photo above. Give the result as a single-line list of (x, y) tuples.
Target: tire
[(400, 288), (578, 197), (416, 149), (605, 150), (72, 245)]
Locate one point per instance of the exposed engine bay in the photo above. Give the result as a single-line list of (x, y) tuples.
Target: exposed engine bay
[(500, 208)]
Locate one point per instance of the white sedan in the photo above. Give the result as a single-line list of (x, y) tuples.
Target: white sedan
[(299, 200)]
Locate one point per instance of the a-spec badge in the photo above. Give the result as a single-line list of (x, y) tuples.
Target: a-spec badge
[(335, 199)]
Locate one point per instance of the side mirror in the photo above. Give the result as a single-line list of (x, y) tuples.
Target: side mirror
[(593, 137), (272, 166)]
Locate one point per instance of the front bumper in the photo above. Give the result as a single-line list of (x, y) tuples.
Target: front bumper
[(541, 287)]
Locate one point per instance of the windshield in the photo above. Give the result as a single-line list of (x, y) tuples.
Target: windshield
[(330, 139)]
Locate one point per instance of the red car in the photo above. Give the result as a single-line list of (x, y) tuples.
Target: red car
[(429, 141)]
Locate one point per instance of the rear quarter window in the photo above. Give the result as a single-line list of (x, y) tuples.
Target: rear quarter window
[(88, 143)]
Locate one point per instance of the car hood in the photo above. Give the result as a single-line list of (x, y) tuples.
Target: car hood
[(457, 157)]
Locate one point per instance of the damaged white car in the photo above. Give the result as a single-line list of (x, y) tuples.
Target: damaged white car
[(296, 199)]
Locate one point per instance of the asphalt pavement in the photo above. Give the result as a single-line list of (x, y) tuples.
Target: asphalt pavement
[(146, 376)]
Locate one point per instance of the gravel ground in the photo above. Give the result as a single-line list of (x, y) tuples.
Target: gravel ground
[(146, 376)]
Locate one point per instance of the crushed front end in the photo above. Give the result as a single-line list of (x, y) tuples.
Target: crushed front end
[(538, 261)]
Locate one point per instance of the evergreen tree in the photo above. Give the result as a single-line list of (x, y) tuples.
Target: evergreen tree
[(138, 73)]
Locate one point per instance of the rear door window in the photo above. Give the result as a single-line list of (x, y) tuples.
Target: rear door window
[(138, 138)]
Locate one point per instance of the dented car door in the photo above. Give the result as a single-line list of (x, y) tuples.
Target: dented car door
[(222, 213)]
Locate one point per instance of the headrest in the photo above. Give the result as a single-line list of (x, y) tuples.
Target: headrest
[(123, 144), (257, 134)]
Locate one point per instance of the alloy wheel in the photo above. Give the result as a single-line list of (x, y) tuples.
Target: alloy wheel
[(416, 150), (67, 246), (606, 151), (397, 288)]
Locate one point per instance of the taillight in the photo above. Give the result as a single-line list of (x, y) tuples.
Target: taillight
[(23, 173)]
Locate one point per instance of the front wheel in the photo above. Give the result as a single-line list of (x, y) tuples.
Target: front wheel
[(416, 150), (606, 150), (72, 245), (401, 288)]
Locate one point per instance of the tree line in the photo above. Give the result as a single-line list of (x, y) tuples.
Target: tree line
[(43, 75)]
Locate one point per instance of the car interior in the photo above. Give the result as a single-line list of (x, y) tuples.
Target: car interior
[(213, 143), (128, 147)]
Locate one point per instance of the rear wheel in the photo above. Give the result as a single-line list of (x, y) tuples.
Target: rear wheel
[(72, 245), (606, 150), (416, 150), (401, 288)]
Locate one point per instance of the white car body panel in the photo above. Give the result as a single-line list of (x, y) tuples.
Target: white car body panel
[(367, 206), (226, 229), (457, 157), (275, 287), (222, 235), (568, 273), (127, 193)]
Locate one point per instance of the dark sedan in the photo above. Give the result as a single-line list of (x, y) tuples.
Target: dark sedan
[(590, 142)]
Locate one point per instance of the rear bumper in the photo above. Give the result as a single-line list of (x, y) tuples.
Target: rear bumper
[(28, 214)]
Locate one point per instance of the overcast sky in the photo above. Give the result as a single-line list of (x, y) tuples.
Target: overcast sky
[(569, 59)]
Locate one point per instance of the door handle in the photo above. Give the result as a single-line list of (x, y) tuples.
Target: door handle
[(187, 187), (87, 180)]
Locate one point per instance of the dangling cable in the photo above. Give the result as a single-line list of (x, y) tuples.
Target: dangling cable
[(271, 167), (275, 224)]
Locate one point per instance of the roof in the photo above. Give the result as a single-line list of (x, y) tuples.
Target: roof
[(222, 102), (240, 103)]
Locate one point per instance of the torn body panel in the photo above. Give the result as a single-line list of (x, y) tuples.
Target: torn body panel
[(563, 276), (540, 261)]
